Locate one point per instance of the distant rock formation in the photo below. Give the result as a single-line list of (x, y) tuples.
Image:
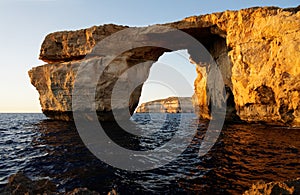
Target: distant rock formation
[(168, 105), (291, 187), (256, 49)]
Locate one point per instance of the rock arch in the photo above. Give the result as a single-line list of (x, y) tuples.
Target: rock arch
[(244, 43)]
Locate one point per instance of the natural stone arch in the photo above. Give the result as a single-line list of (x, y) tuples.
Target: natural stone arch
[(247, 62), (160, 40)]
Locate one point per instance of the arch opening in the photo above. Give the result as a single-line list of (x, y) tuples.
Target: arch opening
[(162, 83), (171, 77)]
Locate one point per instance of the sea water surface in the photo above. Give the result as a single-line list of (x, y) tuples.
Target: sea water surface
[(242, 155)]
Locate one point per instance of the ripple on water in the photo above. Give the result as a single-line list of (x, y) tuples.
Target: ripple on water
[(243, 154)]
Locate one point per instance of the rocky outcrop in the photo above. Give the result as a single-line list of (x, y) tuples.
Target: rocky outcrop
[(85, 191), (288, 187), (21, 184), (256, 49), (168, 105)]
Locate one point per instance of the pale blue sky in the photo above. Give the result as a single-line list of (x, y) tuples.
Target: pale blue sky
[(25, 23)]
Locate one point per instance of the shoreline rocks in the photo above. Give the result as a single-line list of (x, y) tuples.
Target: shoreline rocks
[(21, 184), (273, 188)]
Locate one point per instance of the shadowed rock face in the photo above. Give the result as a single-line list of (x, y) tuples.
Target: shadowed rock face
[(257, 51)]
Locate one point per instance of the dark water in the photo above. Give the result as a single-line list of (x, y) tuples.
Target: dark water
[(243, 154)]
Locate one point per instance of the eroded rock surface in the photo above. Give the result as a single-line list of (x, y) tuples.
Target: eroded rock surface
[(21, 184), (71, 45), (288, 187), (168, 105), (257, 51)]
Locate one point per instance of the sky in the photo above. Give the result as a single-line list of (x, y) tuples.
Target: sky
[(25, 23)]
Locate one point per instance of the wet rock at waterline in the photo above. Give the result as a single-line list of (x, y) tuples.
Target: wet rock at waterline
[(21, 184), (288, 187)]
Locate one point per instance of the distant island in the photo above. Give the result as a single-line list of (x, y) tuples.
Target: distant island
[(167, 105)]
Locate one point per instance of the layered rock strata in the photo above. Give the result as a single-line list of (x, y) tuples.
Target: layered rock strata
[(168, 105), (257, 51)]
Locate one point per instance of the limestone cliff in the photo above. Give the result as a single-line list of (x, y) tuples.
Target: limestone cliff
[(168, 105), (256, 49)]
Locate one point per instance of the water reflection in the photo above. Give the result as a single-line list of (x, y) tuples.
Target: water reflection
[(243, 154)]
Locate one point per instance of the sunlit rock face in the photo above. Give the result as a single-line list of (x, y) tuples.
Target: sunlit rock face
[(285, 187), (71, 45), (257, 51), (55, 83), (266, 65), (168, 105)]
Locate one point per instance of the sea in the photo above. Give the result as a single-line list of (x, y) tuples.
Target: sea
[(242, 155)]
